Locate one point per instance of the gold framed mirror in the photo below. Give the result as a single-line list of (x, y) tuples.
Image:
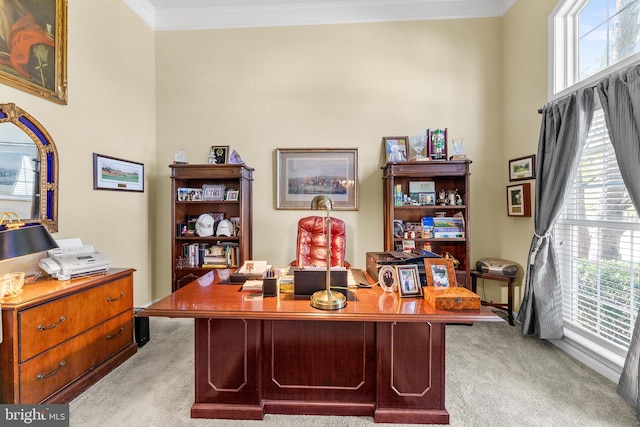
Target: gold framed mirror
[(28, 168)]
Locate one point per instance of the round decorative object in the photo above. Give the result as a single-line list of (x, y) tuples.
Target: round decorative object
[(387, 278)]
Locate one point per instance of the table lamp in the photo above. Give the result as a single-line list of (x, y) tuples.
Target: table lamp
[(18, 239), (326, 299)]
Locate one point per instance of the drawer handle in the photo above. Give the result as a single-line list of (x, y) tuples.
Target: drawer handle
[(116, 335), (44, 328), (116, 299), (55, 371)]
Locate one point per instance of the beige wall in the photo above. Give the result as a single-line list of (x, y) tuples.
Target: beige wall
[(111, 110), (328, 86)]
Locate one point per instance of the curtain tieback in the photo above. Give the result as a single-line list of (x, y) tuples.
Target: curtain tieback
[(534, 252)]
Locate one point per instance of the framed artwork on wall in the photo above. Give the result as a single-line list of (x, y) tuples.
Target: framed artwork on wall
[(522, 168), (110, 173), (519, 200), (35, 53), (303, 173)]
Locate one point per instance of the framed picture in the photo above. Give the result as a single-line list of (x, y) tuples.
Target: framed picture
[(440, 272), (213, 192), (110, 173), (36, 61), (387, 278), (219, 154), (395, 148), (437, 143), (519, 200), (303, 173), (409, 281), (189, 194), (522, 168), (232, 195)]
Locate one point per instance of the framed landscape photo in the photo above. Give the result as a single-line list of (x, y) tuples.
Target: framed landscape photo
[(440, 272), (219, 155), (409, 281), (110, 173), (395, 148), (35, 47), (303, 173), (522, 168), (519, 200)]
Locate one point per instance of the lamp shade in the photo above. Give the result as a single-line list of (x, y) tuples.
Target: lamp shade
[(25, 240), (321, 203)]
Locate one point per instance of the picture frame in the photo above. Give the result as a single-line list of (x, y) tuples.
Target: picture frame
[(219, 155), (304, 173), (519, 200), (388, 278), (111, 173), (213, 192), (189, 194), (522, 168), (437, 142), (42, 27), (395, 148), (232, 195), (408, 280), (440, 272)]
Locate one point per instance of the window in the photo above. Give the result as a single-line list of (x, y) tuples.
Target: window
[(591, 36), (598, 241)]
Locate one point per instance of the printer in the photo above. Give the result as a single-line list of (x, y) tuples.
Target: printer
[(68, 262)]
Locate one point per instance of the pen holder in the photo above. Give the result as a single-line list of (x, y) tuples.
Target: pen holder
[(269, 286)]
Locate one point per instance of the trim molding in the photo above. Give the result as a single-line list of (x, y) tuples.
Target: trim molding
[(184, 17)]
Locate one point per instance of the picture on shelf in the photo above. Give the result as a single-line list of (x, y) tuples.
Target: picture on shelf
[(213, 192), (232, 195), (395, 148), (189, 194), (219, 155)]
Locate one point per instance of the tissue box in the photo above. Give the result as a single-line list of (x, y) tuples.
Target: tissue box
[(306, 281), (453, 298)]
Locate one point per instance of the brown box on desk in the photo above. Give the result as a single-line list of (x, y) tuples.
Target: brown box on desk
[(453, 298)]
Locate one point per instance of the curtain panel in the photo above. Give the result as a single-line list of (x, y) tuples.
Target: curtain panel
[(563, 133), (619, 95)]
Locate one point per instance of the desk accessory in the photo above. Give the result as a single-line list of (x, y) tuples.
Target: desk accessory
[(326, 299)]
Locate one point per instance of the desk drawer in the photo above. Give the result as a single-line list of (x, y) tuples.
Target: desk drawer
[(49, 324), (52, 370)]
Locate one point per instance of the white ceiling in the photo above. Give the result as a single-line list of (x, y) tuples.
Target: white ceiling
[(168, 15)]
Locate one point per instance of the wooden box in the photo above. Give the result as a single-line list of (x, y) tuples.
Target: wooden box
[(453, 298)]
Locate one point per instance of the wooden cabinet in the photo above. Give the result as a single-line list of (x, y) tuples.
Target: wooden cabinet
[(202, 183), (448, 176), (60, 337)]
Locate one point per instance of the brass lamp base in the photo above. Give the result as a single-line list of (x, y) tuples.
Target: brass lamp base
[(327, 300)]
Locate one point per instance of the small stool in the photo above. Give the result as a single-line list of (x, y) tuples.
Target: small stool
[(509, 305)]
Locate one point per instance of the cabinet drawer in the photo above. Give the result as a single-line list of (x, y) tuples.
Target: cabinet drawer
[(47, 325), (52, 370)]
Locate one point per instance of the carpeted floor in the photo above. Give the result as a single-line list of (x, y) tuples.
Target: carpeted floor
[(495, 377)]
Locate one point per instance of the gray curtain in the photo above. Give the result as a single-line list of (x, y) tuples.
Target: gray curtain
[(563, 132), (620, 98)]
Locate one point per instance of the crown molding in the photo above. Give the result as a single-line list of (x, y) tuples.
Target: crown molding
[(311, 13)]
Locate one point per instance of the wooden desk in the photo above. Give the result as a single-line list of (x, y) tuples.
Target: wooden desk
[(380, 356)]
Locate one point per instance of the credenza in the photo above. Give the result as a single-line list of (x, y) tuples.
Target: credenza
[(60, 337), (381, 355)]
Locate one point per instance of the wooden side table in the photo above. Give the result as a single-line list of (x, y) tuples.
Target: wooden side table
[(475, 275)]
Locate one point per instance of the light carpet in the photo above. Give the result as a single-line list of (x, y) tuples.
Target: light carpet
[(495, 377)]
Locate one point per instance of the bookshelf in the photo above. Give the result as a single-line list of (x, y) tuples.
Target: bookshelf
[(413, 193), (223, 239)]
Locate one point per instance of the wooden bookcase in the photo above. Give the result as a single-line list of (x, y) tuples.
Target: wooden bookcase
[(238, 246), (445, 175)]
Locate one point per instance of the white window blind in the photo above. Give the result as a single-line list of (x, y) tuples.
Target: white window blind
[(598, 242)]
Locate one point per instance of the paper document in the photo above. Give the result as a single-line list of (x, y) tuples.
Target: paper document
[(252, 285)]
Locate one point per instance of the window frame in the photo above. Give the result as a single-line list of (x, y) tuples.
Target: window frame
[(564, 49)]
